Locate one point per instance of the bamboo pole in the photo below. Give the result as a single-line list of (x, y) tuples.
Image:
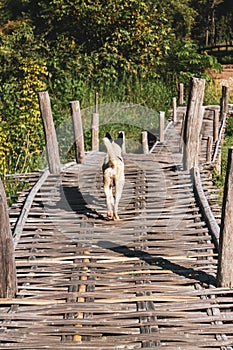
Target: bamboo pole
[(82, 289), (225, 270), (205, 207), (225, 96), (192, 123), (215, 125), (224, 101), (145, 147), (8, 280), (50, 133), (209, 149), (181, 94), (95, 125), (96, 102), (161, 126), (174, 108), (78, 131)]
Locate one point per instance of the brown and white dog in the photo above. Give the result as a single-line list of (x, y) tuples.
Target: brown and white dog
[(113, 174)]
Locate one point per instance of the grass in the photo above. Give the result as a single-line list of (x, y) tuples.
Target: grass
[(129, 105)]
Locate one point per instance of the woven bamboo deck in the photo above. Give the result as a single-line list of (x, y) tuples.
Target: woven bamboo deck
[(147, 281)]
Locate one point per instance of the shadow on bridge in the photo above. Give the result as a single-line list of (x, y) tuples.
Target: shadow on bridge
[(80, 204), (189, 273), (72, 199)]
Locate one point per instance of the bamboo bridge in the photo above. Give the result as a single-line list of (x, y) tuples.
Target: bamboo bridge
[(147, 281)]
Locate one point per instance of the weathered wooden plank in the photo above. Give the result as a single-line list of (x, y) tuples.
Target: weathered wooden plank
[(50, 133), (78, 131), (193, 123)]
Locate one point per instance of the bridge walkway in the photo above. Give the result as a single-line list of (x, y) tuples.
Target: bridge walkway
[(147, 281)]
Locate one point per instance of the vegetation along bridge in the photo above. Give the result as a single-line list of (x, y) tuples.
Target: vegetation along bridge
[(150, 280)]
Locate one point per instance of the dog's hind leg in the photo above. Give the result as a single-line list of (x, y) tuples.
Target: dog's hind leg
[(109, 198), (119, 188)]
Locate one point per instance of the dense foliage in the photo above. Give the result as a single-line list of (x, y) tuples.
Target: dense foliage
[(130, 51)]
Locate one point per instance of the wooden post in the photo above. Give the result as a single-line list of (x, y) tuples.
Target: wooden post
[(215, 125), (161, 126), (224, 101), (8, 280), (221, 109), (181, 94), (225, 270), (209, 149), (95, 126), (225, 97), (181, 145), (50, 133), (96, 102), (174, 105), (145, 147), (78, 131), (193, 123)]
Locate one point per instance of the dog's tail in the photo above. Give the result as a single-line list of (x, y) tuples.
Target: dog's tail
[(113, 149), (110, 151)]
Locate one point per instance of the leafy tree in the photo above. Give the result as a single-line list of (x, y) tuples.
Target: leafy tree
[(181, 17), (108, 39), (184, 61), (224, 22), (115, 36), (68, 46), (205, 29), (22, 74)]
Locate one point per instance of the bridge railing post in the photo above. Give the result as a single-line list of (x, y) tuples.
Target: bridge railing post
[(174, 109), (224, 101), (161, 126), (209, 149), (8, 279), (145, 146), (215, 125), (225, 271), (181, 94), (192, 123), (50, 133), (78, 131), (95, 126)]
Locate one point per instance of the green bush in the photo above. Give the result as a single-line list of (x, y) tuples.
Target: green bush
[(23, 74)]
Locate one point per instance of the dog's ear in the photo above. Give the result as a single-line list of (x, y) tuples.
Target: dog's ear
[(108, 136), (120, 139)]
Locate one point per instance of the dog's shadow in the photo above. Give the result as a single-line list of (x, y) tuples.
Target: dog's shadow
[(73, 199)]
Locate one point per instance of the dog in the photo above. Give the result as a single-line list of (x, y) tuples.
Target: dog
[(113, 174)]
